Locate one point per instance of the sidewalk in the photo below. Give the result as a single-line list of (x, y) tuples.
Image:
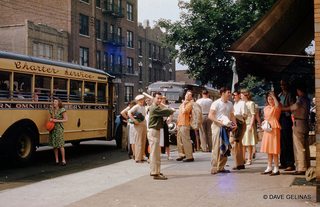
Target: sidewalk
[(189, 184)]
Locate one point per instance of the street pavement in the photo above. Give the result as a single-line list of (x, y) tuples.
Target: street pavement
[(129, 184)]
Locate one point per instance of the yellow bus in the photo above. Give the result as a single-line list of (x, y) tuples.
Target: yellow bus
[(27, 86)]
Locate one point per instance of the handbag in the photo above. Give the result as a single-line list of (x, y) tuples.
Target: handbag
[(50, 126), (266, 126)]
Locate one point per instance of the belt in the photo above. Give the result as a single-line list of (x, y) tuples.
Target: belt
[(205, 114)]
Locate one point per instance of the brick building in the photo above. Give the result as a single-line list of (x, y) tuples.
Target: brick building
[(101, 34), (34, 39), (154, 63)]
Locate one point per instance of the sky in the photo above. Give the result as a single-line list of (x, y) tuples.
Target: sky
[(154, 10)]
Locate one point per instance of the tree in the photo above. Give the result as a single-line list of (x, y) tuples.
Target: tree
[(258, 87), (206, 29)]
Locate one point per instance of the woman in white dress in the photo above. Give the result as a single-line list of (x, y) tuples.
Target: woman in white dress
[(249, 139)]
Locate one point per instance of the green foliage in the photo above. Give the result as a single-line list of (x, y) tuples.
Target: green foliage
[(258, 87), (206, 29)]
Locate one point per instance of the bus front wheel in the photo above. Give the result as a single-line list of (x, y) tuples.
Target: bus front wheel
[(23, 147)]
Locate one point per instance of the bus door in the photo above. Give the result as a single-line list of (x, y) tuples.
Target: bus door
[(111, 111)]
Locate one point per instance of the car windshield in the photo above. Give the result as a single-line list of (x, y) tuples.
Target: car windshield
[(172, 97)]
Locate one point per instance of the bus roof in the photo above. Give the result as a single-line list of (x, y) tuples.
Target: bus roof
[(10, 55)]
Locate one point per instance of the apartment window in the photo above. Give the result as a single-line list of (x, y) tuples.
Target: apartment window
[(140, 47), (105, 32), (129, 12), (110, 5), (153, 51), (119, 63), (130, 39), (119, 34), (98, 3), (98, 29), (60, 54), (150, 74), (84, 56), (98, 59), (159, 52), (42, 50), (111, 62), (105, 61), (84, 24), (130, 65), (111, 32), (150, 50), (140, 73), (119, 7), (128, 93)]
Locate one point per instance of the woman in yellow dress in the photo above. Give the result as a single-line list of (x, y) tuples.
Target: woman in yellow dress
[(249, 139)]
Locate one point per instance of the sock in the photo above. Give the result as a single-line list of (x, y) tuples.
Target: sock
[(269, 168)]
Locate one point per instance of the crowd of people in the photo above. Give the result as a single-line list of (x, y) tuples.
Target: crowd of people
[(225, 127)]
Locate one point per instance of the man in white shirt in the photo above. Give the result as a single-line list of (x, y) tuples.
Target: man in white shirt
[(205, 130), (222, 114), (240, 112)]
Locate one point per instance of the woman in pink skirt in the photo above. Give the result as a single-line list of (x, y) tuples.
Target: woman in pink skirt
[(271, 139)]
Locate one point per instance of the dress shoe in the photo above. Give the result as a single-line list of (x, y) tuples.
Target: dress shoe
[(249, 162), (188, 160), (155, 174), (290, 168), (275, 173), (299, 173), (266, 172), (282, 167), (63, 163), (139, 161), (160, 177), (180, 158), (223, 171), (240, 167)]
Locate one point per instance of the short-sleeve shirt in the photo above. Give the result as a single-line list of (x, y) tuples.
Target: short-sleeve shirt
[(205, 104), (222, 108), (240, 110), (138, 108)]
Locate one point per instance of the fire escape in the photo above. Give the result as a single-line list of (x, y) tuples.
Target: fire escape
[(113, 39)]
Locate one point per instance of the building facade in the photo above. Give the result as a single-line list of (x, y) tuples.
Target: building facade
[(37, 40), (103, 34)]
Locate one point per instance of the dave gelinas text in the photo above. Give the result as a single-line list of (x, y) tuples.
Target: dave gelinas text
[(287, 197)]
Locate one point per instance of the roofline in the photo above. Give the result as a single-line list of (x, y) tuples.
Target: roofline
[(10, 55)]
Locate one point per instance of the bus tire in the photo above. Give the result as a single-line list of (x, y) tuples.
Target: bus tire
[(23, 146)]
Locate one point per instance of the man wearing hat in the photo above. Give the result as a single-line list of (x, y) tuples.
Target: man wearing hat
[(137, 115)]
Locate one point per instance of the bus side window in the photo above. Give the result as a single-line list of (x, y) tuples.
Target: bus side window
[(75, 91), (4, 85), (89, 92), (22, 86), (60, 89), (42, 90), (101, 92)]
